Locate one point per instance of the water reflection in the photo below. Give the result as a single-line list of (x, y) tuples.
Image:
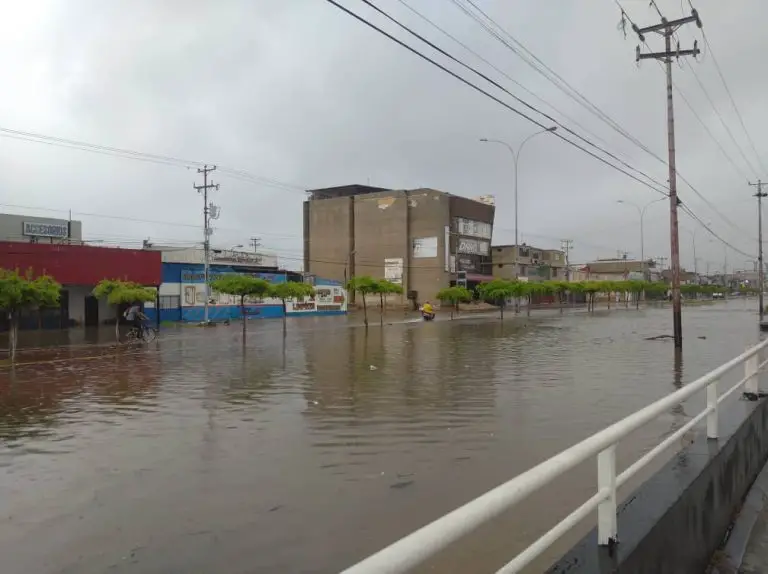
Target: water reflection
[(303, 450)]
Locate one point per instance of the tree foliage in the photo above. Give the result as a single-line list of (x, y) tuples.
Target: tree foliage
[(498, 291), (241, 286), (365, 285), (22, 292), (454, 296), (118, 292), (290, 290)]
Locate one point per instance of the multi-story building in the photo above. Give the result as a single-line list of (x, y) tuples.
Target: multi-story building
[(615, 270), (418, 238), (534, 263)]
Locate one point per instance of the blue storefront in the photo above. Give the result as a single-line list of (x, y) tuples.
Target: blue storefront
[(182, 296)]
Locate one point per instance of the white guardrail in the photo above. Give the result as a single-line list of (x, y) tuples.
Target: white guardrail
[(431, 539)]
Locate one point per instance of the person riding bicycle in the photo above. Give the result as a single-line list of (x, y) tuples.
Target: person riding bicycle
[(135, 318)]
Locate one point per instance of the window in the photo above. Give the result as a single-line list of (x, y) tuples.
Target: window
[(537, 254), (170, 301), (525, 252)]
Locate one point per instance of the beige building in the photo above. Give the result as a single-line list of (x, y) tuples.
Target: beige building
[(612, 270), (535, 263), (420, 238)]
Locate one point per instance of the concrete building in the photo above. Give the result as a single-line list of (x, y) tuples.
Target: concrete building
[(615, 270), (30, 229), (534, 263), (417, 238)]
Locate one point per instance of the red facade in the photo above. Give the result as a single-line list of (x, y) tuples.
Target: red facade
[(83, 264)]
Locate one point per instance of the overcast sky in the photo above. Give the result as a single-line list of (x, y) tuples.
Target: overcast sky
[(296, 91)]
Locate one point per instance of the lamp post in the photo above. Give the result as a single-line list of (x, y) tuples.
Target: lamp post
[(641, 211), (515, 158)]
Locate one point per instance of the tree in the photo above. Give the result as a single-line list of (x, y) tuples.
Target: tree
[(19, 293), (497, 292), (591, 288), (363, 285), (241, 286), (290, 290), (636, 288), (454, 296), (560, 288), (118, 292), (385, 287)]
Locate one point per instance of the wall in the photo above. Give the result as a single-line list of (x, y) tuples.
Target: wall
[(82, 264), (429, 214), (677, 519), (329, 226), (11, 227)]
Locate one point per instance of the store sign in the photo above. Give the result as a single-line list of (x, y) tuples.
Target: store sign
[(35, 229), (473, 228), (425, 248), (473, 246), (393, 270), (229, 256)]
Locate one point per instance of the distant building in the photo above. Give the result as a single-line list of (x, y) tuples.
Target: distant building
[(613, 270), (420, 238), (31, 229), (534, 263)]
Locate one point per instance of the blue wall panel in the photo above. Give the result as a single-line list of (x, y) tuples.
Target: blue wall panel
[(231, 312)]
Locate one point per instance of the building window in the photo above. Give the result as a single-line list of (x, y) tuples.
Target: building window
[(537, 255), (525, 252), (170, 301)]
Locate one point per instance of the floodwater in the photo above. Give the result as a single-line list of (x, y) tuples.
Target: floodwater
[(199, 454)]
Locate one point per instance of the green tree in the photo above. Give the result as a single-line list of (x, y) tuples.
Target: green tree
[(364, 285), (385, 287), (559, 288), (454, 296), (19, 293), (290, 290), (636, 288), (591, 288), (118, 292), (497, 292), (241, 286)]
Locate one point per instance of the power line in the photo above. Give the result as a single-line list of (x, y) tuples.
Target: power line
[(488, 94), (141, 156)]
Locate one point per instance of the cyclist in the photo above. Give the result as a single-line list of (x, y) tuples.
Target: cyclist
[(135, 318)]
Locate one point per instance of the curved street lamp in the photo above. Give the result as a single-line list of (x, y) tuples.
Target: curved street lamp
[(515, 158), (641, 211)]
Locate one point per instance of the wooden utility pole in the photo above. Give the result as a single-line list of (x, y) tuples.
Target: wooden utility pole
[(566, 245), (205, 170), (761, 272), (667, 28)]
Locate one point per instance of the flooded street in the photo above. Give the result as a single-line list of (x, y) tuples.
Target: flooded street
[(199, 454)]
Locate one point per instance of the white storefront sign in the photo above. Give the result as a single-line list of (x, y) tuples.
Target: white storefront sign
[(36, 229), (425, 248), (393, 270), (473, 246)]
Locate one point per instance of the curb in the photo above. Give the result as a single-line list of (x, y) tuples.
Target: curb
[(729, 559)]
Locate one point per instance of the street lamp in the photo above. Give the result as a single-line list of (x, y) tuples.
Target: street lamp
[(515, 158), (641, 211)]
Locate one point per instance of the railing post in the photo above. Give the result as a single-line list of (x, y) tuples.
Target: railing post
[(750, 373), (606, 511), (712, 418)]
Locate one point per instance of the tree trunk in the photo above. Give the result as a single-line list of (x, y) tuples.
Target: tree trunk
[(381, 309), (285, 315), (117, 324), (609, 300), (13, 336), (530, 302), (365, 311), (243, 313), (637, 301), (561, 295), (501, 308), (626, 300)]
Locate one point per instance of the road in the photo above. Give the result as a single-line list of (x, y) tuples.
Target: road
[(200, 454)]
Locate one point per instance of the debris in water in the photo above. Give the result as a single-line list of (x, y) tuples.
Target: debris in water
[(659, 337), (373, 367)]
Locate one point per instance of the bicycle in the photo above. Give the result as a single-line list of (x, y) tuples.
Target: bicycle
[(147, 334)]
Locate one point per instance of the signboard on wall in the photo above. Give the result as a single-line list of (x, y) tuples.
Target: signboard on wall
[(425, 248), (393, 270), (36, 229), (473, 228), (473, 246)]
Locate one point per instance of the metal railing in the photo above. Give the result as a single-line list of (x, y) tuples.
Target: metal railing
[(431, 539)]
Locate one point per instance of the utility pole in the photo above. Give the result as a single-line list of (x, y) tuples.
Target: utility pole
[(667, 29), (255, 243), (761, 273), (207, 213), (566, 245)]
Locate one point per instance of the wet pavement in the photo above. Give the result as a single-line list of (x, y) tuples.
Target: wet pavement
[(200, 453)]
